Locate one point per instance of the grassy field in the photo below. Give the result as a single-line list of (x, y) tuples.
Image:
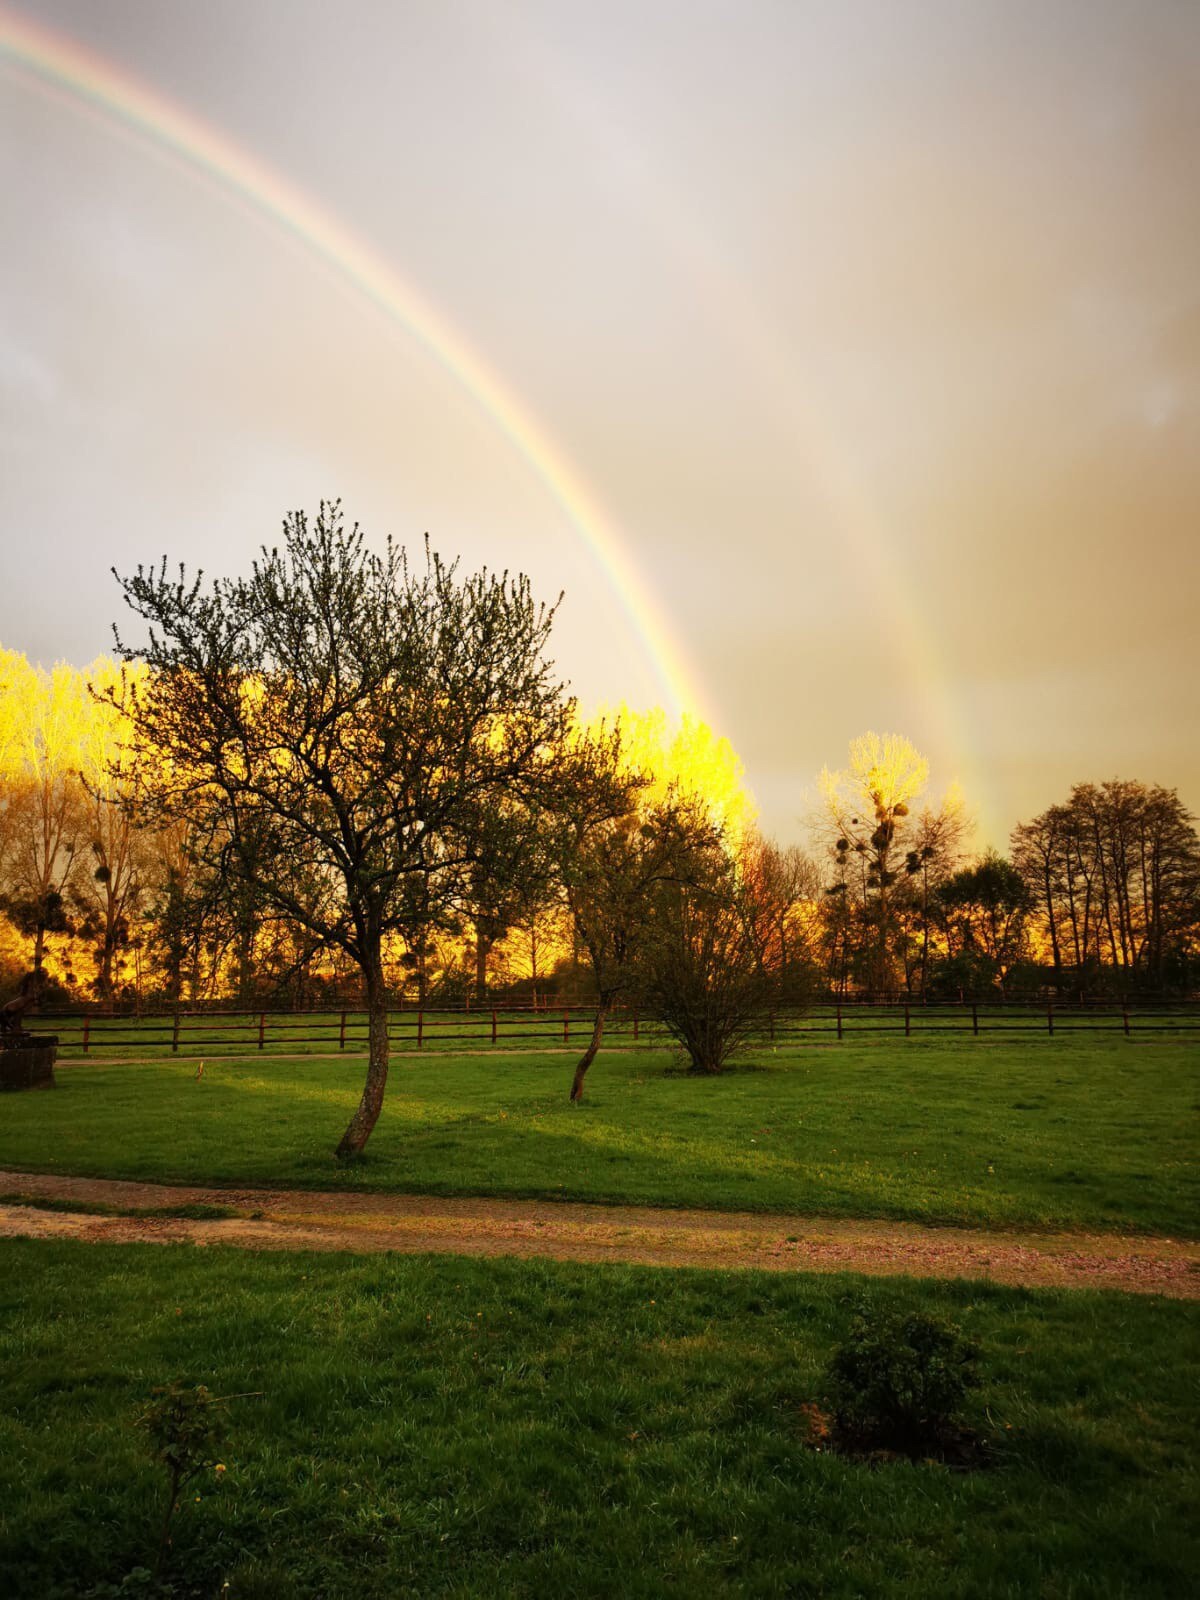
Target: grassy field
[(448, 1427), (1041, 1132)]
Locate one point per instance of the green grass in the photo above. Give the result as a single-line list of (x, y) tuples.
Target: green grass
[(433, 1426), (197, 1212), (1085, 1133)]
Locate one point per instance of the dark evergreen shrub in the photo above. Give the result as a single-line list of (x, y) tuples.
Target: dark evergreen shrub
[(899, 1382)]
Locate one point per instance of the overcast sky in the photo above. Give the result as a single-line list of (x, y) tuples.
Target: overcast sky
[(874, 329)]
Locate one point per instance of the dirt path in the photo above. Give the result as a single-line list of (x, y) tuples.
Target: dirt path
[(269, 1219)]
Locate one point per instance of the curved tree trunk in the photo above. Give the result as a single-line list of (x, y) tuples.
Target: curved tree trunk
[(369, 1107), (589, 1055)]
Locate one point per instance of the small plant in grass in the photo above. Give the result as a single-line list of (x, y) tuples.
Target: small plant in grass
[(140, 1584), (184, 1428), (817, 1425), (898, 1385)]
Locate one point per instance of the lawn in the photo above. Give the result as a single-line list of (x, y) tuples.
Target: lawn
[(1074, 1133), (451, 1427)]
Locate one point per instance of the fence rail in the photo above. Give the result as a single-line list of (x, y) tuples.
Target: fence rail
[(84, 1033)]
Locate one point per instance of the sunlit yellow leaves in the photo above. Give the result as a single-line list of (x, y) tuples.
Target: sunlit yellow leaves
[(686, 756), (884, 771), (67, 749)]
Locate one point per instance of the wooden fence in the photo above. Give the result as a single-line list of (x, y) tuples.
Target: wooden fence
[(187, 1032)]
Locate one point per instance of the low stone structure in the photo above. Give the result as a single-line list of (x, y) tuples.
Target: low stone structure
[(26, 1059), (28, 1062)]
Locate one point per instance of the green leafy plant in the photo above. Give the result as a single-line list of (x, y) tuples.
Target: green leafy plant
[(184, 1428), (898, 1383)]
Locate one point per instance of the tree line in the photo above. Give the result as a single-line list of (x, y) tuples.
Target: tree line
[(352, 771)]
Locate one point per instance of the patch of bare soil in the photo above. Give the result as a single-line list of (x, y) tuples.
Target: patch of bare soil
[(272, 1219)]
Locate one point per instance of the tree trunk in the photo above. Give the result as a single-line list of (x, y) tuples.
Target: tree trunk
[(483, 947), (589, 1055), (1048, 889), (104, 978), (369, 1107), (108, 950)]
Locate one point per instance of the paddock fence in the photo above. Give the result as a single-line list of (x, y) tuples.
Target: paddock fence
[(460, 1029)]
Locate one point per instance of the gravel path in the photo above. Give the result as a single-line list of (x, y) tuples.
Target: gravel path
[(273, 1219)]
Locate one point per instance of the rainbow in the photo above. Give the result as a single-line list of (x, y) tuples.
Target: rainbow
[(60, 64), (866, 541), (53, 60)]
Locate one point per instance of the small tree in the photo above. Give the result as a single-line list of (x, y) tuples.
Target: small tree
[(510, 875), (936, 845), (985, 909), (867, 817), (339, 729), (184, 1427), (614, 852), (703, 976)]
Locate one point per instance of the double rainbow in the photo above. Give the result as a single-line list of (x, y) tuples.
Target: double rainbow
[(88, 78)]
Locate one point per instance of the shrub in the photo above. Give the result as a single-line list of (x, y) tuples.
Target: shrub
[(899, 1382), (184, 1427)]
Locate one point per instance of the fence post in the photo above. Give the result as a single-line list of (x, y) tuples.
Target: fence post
[(1050, 1016), (635, 1025), (420, 1027), (974, 1019), (907, 1021), (87, 1023), (175, 1034), (839, 1019), (566, 1027), (262, 1029), (342, 1032), (494, 1030), (1124, 1017)]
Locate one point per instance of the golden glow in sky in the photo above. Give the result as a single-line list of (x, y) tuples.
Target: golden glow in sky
[(860, 345)]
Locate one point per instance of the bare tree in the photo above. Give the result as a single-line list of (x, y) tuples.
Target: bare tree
[(781, 892), (1038, 855), (1115, 877)]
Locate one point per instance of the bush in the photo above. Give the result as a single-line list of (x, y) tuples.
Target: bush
[(899, 1382), (184, 1427), (702, 976)]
